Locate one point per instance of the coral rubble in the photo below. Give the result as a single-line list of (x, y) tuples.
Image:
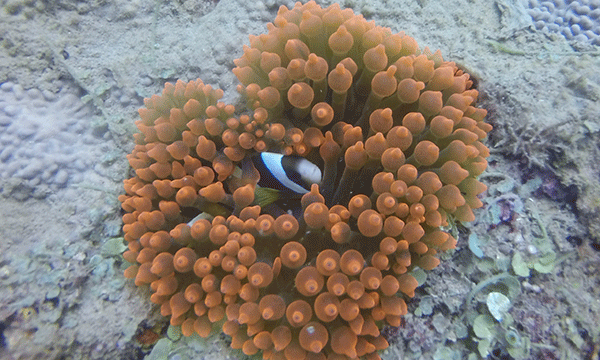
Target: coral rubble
[(397, 134)]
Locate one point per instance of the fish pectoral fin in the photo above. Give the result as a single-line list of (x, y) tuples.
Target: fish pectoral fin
[(265, 196)]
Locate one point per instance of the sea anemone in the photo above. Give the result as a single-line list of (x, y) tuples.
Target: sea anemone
[(397, 136)]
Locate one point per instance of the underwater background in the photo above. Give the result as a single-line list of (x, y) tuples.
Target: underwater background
[(523, 282)]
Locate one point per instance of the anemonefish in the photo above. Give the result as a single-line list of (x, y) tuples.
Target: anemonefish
[(291, 175)]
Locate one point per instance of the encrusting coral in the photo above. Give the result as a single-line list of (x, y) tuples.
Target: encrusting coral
[(397, 135)]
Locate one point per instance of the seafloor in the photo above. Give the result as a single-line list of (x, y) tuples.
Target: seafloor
[(73, 74)]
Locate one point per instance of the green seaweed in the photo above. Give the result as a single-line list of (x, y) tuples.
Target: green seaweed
[(511, 285), (113, 247), (498, 305), (519, 266), (161, 350), (474, 245), (174, 333)]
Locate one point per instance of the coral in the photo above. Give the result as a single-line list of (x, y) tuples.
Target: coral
[(45, 144), (398, 137), (575, 20)]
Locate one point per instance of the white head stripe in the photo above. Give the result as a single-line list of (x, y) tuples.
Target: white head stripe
[(309, 171), (273, 163)]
